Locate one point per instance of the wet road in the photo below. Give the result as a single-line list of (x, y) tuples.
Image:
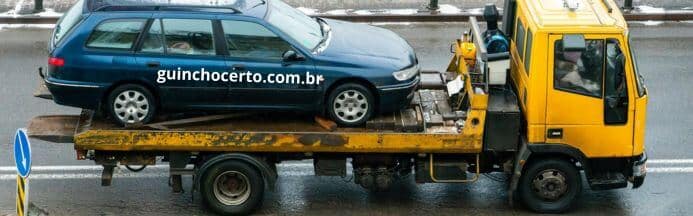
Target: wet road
[(66, 186)]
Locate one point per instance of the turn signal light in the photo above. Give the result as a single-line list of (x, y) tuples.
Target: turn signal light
[(58, 62)]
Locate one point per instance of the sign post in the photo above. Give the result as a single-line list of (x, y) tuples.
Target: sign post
[(22, 158)]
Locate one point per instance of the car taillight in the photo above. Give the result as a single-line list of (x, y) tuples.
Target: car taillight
[(58, 62)]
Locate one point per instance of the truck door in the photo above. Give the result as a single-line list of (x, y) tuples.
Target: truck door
[(588, 97)]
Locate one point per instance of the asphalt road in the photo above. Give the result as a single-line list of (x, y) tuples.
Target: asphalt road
[(61, 185)]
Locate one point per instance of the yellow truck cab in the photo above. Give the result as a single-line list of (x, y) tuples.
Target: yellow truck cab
[(578, 85)]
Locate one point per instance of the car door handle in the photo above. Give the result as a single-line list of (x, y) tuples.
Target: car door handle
[(153, 64), (238, 67)]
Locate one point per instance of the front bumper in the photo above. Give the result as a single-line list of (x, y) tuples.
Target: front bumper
[(396, 97), (639, 171)]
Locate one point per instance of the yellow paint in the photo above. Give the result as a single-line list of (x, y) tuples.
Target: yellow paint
[(581, 117)]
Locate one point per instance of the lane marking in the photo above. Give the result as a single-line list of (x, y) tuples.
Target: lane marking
[(285, 169)]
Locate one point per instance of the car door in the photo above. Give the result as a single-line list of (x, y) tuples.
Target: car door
[(261, 78), (180, 53), (587, 99)]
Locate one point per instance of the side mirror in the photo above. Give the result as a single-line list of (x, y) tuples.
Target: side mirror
[(573, 43), (290, 56)]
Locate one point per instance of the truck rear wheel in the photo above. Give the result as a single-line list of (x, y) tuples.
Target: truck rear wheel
[(550, 185), (232, 188)]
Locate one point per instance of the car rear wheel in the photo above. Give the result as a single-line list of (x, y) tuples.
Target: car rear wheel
[(131, 104), (350, 104)]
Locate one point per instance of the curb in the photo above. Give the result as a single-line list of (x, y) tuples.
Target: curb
[(420, 17)]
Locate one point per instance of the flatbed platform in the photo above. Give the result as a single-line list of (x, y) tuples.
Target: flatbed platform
[(419, 129)]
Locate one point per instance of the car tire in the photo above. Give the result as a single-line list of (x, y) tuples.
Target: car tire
[(242, 197), (550, 185), (131, 104), (350, 104)]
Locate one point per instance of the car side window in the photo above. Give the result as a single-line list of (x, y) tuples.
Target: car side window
[(115, 34), (153, 41), (580, 71), (189, 36), (528, 51), (252, 40)]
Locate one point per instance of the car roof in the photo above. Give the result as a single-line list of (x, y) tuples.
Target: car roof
[(256, 8), (556, 13)]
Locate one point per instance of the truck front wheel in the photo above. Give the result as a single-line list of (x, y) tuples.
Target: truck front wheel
[(232, 188), (550, 185)]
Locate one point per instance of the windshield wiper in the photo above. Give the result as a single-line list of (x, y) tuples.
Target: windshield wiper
[(324, 30)]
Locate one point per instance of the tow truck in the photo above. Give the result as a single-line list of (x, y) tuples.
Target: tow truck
[(504, 112)]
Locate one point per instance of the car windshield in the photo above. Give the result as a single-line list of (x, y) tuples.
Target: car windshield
[(66, 22), (296, 24)]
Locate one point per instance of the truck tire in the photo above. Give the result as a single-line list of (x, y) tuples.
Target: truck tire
[(232, 188), (350, 104), (550, 185)]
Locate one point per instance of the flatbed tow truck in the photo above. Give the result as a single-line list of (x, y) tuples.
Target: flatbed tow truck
[(462, 122)]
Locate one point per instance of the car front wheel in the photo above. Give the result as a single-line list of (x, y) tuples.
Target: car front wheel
[(350, 104), (131, 104)]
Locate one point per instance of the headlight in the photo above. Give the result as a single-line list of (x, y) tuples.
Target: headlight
[(406, 73)]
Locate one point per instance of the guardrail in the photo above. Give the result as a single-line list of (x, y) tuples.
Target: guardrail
[(419, 17)]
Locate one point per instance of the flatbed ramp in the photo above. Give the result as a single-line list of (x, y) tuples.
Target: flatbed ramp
[(271, 132)]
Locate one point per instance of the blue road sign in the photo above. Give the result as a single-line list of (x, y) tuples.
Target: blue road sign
[(22, 153)]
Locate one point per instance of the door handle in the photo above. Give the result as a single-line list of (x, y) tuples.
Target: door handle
[(153, 64), (554, 133), (238, 67)]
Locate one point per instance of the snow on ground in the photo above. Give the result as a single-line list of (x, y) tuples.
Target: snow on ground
[(337, 12), (650, 22), (448, 9), (407, 11), (49, 13), (648, 9), (15, 26), (363, 12), (308, 11)]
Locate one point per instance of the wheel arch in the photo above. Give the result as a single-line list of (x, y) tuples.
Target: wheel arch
[(555, 150), (357, 80), (268, 174), (147, 85)]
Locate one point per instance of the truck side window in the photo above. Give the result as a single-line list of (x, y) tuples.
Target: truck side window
[(580, 71), (189, 37), (252, 40), (528, 51), (115, 34), (153, 39), (520, 38)]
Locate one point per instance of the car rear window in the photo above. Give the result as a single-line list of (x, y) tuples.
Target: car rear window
[(115, 34), (67, 21)]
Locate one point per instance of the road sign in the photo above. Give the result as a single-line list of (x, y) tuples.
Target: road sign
[(22, 158), (22, 153), (22, 196)]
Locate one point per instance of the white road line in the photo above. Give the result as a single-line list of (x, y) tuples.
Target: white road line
[(671, 161), (670, 169), (285, 169)]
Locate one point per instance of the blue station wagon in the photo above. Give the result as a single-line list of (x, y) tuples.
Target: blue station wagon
[(135, 58)]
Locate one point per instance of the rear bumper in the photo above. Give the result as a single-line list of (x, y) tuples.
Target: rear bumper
[(639, 171), (75, 94), (396, 97)]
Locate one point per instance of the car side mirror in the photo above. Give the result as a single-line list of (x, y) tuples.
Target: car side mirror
[(290, 56)]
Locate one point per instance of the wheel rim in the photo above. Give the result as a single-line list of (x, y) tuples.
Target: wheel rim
[(550, 184), (131, 106), (350, 106), (232, 188)]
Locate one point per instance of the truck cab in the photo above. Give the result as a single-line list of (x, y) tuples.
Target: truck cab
[(573, 69)]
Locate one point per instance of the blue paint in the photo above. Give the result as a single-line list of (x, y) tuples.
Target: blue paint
[(22, 153)]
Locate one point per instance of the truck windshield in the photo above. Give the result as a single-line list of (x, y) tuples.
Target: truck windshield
[(295, 23), (639, 80), (69, 19)]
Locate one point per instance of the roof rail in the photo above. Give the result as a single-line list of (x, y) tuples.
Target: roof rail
[(155, 7)]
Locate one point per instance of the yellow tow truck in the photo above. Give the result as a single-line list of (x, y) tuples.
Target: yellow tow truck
[(564, 100)]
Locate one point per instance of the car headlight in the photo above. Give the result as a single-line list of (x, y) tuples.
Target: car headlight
[(407, 73)]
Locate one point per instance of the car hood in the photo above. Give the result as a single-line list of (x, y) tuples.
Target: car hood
[(365, 43)]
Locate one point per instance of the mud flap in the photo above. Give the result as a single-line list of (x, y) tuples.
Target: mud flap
[(518, 165)]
